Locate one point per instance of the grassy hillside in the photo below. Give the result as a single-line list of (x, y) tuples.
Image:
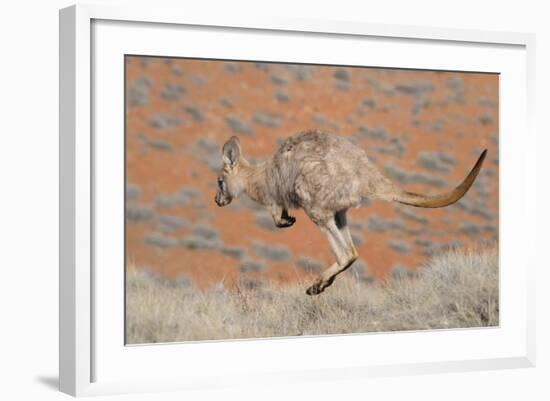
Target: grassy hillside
[(455, 289)]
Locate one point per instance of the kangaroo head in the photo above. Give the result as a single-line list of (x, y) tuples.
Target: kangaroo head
[(230, 182)]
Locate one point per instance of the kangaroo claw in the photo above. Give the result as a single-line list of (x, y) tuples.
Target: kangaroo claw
[(315, 289), (286, 222)]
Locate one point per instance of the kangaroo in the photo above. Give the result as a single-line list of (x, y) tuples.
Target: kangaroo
[(325, 175)]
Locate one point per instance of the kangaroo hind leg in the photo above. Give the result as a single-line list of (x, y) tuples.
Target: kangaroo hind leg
[(341, 221), (341, 243)]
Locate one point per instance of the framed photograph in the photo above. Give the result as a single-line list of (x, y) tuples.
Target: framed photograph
[(276, 200)]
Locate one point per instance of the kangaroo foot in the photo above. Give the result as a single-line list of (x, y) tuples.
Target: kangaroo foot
[(315, 289), (319, 286)]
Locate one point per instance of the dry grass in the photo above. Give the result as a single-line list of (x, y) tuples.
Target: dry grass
[(455, 289)]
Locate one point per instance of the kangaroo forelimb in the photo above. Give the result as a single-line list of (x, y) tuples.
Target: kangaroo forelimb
[(281, 218)]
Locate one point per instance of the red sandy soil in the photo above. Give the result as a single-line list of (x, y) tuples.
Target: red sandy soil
[(463, 107)]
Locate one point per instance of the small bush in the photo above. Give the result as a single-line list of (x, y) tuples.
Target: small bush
[(205, 232), (435, 161), (195, 242), (279, 80), (133, 191), (172, 93), (180, 198), (271, 252), (309, 264), (172, 223), (405, 177), (342, 74), (282, 96), (138, 214), (226, 102), (232, 67), (267, 119), (157, 144), (234, 252), (160, 241), (411, 213), (251, 266), (195, 113), (415, 88), (238, 126), (380, 224), (164, 121), (372, 133), (138, 93), (399, 246), (300, 72)]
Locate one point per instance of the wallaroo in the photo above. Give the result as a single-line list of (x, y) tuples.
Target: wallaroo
[(325, 175)]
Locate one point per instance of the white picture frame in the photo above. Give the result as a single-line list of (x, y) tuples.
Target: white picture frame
[(92, 351)]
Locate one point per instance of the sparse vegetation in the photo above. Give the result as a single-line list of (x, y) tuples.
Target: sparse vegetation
[(455, 289), (171, 223), (138, 93), (157, 144), (282, 96), (164, 121), (372, 133), (197, 114), (271, 252), (234, 252), (415, 88), (133, 191), (301, 72), (380, 224), (267, 119), (138, 213), (399, 245), (342, 74), (435, 161), (180, 198), (279, 80), (309, 264), (201, 242), (160, 241), (238, 126), (251, 266), (172, 93), (405, 177), (232, 67)]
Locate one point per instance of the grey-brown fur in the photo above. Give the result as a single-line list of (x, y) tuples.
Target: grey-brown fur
[(324, 175)]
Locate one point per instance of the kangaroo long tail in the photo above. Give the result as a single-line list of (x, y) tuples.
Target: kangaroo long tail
[(442, 200)]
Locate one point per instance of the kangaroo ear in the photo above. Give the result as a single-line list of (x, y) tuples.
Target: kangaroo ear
[(231, 152)]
